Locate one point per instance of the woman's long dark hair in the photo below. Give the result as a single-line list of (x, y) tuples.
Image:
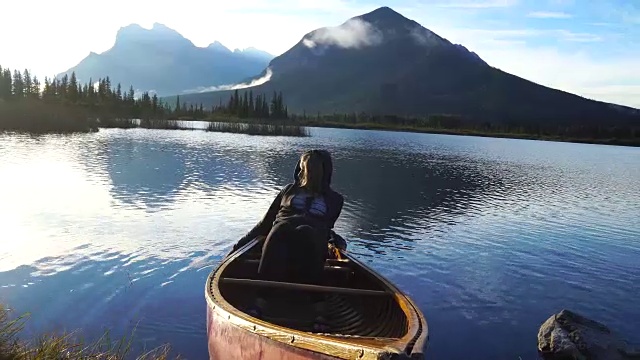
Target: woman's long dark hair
[(311, 172)]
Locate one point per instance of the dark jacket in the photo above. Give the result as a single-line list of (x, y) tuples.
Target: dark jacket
[(282, 210)]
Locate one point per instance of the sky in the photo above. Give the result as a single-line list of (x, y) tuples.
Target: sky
[(587, 47)]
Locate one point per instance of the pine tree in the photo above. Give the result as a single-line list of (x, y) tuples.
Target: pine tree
[(35, 88), (245, 106), (80, 93), (91, 91), (18, 85), (280, 106), (229, 108), (154, 104), (274, 106), (62, 87), (265, 107), (177, 109), (28, 85), (251, 109), (73, 88), (257, 106), (5, 84), (46, 94), (54, 89)]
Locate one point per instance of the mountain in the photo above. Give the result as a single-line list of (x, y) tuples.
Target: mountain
[(162, 60), (384, 63), (255, 53)]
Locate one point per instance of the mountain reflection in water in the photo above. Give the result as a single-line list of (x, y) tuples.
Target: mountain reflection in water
[(120, 228)]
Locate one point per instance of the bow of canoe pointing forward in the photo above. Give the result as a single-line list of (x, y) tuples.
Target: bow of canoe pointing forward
[(367, 317)]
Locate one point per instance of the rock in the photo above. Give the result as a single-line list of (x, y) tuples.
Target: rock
[(571, 336)]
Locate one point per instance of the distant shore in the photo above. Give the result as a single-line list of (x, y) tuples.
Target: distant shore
[(67, 106), (633, 142), (469, 132), (285, 128)]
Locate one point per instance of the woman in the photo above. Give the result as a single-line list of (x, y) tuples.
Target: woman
[(299, 223)]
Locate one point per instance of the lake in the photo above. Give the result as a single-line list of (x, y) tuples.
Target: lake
[(119, 229)]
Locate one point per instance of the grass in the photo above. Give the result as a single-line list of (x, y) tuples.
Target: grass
[(165, 124), (258, 129), (120, 123), (65, 346)]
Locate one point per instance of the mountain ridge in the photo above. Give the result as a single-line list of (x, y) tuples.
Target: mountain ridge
[(383, 62), (163, 61)]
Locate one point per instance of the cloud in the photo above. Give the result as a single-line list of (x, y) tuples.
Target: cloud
[(354, 33), (549, 15), (254, 82), (604, 24), (425, 37), (621, 94), (607, 76), (490, 35), (577, 37), (480, 4)]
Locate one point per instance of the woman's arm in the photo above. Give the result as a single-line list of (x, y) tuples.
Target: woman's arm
[(339, 203), (264, 225)]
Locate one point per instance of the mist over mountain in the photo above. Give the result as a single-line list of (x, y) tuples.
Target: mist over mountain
[(381, 62), (161, 60)]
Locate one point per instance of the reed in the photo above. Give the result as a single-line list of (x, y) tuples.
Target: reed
[(165, 124), (65, 346), (258, 129), (120, 123)]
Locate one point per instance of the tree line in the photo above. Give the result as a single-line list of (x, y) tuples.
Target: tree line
[(246, 106), (455, 124), (100, 99)]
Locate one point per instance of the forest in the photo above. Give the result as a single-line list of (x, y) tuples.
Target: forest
[(67, 105)]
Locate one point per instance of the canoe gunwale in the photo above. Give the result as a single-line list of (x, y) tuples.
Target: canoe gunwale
[(338, 346), (418, 329)]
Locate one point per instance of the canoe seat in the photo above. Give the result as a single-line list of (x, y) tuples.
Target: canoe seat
[(303, 287), (330, 267)]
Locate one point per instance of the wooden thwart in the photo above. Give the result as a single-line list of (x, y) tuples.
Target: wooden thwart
[(306, 287)]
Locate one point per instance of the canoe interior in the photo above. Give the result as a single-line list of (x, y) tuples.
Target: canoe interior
[(373, 313)]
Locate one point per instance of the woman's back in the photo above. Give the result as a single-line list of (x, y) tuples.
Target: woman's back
[(309, 200)]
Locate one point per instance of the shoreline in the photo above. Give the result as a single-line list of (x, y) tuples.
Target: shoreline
[(458, 132), (91, 126)]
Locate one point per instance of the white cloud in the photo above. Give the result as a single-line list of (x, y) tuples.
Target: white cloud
[(549, 15), (270, 25), (509, 34), (254, 82), (577, 37), (621, 94), (276, 25), (354, 33), (424, 37), (596, 75)]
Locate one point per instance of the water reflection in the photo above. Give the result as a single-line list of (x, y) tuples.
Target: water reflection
[(489, 236), (158, 300), (386, 190)]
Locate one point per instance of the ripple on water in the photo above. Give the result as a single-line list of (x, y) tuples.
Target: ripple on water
[(489, 236)]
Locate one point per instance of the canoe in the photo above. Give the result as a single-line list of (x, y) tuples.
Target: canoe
[(366, 316)]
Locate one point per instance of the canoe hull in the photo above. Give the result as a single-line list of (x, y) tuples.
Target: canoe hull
[(228, 341)]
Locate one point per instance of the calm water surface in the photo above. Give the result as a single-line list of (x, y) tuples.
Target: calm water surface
[(119, 229)]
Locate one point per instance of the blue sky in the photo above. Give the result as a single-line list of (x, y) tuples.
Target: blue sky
[(588, 47)]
